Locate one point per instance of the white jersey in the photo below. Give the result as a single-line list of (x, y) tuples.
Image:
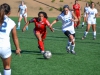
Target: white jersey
[(91, 13), (86, 9), (22, 8), (67, 24), (5, 30)]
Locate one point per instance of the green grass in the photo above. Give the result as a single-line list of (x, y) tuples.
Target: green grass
[(31, 62)]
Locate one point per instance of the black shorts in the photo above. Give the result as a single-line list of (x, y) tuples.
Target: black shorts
[(67, 33)]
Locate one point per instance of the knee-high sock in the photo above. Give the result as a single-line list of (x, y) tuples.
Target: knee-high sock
[(18, 24), (68, 44), (7, 72), (73, 46), (94, 34), (85, 33), (83, 23), (41, 45)]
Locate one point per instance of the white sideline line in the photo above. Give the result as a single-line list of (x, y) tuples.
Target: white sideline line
[(75, 31)]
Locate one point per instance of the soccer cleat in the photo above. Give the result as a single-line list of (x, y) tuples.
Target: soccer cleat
[(82, 26), (42, 52), (94, 38), (73, 52), (83, 38), (68, 49), (18, 28)]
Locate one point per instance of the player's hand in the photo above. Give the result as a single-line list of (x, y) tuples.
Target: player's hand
[(18, 51), (51, 28), (72, 20)]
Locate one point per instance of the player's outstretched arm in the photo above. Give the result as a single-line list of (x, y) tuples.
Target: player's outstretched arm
[(53, 22), (15, 40), (24, 28)]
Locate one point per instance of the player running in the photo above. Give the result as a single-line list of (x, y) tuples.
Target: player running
[(85, 9), (40, 28), (76, 8), (22, 13), (91, 15), (68, 27), (6, 26)]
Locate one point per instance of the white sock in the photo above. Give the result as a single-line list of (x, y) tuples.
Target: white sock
[(94, 34), (73, 46), (26, 26), (69, 44), (7, 72), (85, 33), (18, 24), (83, 23)]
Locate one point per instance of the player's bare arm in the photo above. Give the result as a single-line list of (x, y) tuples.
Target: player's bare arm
[(55, 21), (24, 28), (15, 39)]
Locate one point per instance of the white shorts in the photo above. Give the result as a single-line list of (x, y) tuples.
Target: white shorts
[(92, 21), (23, 15), (5, 52)]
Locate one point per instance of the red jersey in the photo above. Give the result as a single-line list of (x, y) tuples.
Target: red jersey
[(40, 25), (76, 8)]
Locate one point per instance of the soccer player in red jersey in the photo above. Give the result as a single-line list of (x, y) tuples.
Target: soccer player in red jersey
[(40, 28), (76, 8)]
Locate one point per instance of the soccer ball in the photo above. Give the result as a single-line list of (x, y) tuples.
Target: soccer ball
[(47, 54)]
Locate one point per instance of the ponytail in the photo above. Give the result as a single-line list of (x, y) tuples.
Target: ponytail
[(2, 13), (4, 10)]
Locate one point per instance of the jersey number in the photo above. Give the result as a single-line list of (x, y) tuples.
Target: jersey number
[(2, 28)]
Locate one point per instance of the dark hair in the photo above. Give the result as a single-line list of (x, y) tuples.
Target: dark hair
[(4, 10), (91, 4), (44, 13), (65, 6), (76, 1)]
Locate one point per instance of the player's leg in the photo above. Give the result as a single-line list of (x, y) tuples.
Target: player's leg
[(67, 33), (84, 20), (86, 32), (19, 21), (6, 64), (72, 40), (78, 16), (44, 36), (25, 20), (40, 42), (94, 31), (78, 23)]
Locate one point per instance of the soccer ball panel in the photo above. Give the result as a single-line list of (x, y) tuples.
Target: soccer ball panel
[(47, 54)]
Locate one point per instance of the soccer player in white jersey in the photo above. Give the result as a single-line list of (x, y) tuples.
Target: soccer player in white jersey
[(91, 15), (22, 13), (6, 26), (86, 8), (68, 18)]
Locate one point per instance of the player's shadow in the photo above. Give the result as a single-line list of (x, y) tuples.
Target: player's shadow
[(27, 52)]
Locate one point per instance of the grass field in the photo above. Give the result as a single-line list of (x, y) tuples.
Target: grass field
[(31, 62)]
